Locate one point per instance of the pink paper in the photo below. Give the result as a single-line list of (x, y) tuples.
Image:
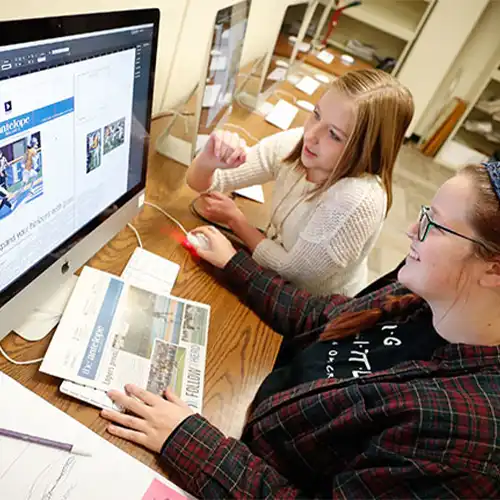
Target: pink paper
[(160, 491)]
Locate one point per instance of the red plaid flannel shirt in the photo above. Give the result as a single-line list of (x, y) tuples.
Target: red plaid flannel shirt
[(420, 430)]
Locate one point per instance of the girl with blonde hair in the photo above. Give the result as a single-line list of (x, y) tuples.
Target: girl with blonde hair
[(332, 186)]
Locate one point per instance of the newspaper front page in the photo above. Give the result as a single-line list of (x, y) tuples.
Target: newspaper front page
[(113, 333)]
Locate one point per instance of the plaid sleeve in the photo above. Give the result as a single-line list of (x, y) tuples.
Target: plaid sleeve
[(201, 460), (287, 309), (209, 465)]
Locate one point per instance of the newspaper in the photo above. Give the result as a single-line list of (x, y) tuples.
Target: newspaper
[(113, 333)]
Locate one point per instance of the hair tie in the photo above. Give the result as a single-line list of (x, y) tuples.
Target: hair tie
[(493, 169)]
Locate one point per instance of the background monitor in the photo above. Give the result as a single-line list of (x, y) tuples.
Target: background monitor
[(208, 102), (75, 110), (218, 84), (261, 76)]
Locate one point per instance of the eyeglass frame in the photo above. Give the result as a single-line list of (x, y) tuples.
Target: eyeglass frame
[(424, 212)]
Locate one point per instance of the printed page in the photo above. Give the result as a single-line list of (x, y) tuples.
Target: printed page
[(113, 333), (35, 472)]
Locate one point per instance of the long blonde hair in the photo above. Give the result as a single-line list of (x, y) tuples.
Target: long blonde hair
[(383, 111)]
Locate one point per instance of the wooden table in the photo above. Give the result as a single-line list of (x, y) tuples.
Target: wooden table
[(241, 349), (336, 67)]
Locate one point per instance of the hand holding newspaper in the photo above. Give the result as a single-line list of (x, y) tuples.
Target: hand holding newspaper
[(113, 333)]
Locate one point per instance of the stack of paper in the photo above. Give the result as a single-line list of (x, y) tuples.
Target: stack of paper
[(308, 85), (326, 57), (277, 75), (282, 114)]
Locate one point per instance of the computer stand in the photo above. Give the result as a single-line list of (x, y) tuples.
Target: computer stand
[(180, 150), (48, 314)]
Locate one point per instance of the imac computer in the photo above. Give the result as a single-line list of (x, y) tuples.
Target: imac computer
[(275, 64), (75, 109), (218, 87), (211, 99)]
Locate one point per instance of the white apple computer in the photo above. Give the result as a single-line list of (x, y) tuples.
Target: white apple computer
[(75, 111)]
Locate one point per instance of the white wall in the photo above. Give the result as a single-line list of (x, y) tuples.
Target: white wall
[(172, 12), (264, 24), (436, 48), (479, 50), (185, 31), (266, 17)]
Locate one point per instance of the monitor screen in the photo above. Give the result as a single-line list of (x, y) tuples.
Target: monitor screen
[(282, 51), (74, 116), (224, 63)]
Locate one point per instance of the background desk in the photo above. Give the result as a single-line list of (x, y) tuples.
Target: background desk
[(336, 67), (241, 349)]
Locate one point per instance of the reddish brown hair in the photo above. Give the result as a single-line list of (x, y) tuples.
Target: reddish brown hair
[(351, 323), (383, 111)]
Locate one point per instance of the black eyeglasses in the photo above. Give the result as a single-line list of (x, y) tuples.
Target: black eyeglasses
[(425, 223)]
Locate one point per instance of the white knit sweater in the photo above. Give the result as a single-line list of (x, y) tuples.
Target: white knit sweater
[(323, 244)]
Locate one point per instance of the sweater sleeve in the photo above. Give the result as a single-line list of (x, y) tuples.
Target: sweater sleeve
[(335, 236), (264, 161)]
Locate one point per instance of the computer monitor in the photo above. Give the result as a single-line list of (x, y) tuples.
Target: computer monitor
[(218, 85), (211, 97), (75, 107), (289, 42)]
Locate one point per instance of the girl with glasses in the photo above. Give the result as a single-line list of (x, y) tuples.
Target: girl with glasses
[(393, 394)]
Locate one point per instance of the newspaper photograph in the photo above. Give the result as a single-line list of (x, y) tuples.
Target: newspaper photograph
[(113, 333)]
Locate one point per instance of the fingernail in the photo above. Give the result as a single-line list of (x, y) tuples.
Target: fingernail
[(111, 428)]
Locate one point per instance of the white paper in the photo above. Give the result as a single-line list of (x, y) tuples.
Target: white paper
[(255, 193), (201, 140), (211, 95), (218, 63), (144, 270), (264, 108), (151, 272), (322, 78), (30, 471), (112, 333), (90, 395), (293, 79), (277, 75), (308, 85), (325, 56), (282, 114)]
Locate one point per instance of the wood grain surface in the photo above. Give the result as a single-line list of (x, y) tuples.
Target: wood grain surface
[(241, 349)]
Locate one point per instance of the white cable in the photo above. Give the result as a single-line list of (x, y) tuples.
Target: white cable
[(242, 104), (19, 363), (231, 125), (138, 236), (277, 92), (173, 219), (177, 114)]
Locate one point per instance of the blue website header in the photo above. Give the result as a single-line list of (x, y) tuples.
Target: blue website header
[(35, 118)]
